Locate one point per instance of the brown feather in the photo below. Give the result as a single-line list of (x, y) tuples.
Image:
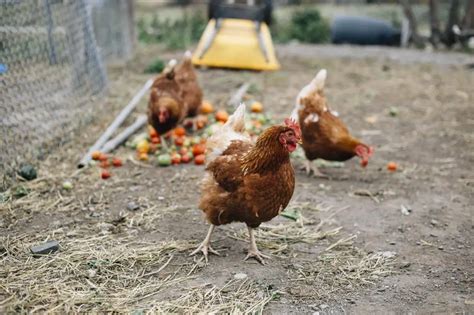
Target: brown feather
[(165, 93), (190, 90), (327, 138), (249, 183)]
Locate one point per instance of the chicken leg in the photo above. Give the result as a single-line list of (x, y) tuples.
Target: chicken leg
[(310, 167), (205, 246), (253, 250)]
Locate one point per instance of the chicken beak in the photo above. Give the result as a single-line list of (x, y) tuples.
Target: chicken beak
[(300, 141)]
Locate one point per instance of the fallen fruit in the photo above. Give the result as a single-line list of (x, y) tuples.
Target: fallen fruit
[(152, 132), (187, 142), (206, 107), (199, 159), (186, 158), (175, 158), (392, 166), (96, 155), (153, 147), (198, 149), (201, 121), (179, 141), (143, 146), (180, 131), (103, 157), (164, 159), (67, 185), (28, 172), (222, 116), (143, 156), (256, 107), (117, 162), (183, 151), (393, 111), (195, 140), (105, 174), (155, 140), (104, 164)]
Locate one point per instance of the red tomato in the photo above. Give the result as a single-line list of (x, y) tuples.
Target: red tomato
[(183, 151), (180, 131), (117, 162), (185, 158), (199, 149), (104, 164), (103, 157), (392, 166), (155, 140), (199, 159), (105, 174), (152, 132), (179, 141), (175, 158)]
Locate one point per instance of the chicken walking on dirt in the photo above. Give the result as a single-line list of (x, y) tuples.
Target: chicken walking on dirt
[(247, 182), (324, 134)]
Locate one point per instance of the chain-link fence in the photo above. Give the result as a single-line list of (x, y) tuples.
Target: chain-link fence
[(52, 70)]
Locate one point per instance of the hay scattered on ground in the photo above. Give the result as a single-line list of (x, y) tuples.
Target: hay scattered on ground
[(236, 296), (87, 274), (277, 238), (336, 273)]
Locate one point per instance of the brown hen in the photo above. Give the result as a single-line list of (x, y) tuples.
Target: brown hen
[(325, 136), (246, 182), (166, 108)]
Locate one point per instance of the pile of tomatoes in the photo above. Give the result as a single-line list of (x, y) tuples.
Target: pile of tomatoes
[(105, 162), (179, 147)]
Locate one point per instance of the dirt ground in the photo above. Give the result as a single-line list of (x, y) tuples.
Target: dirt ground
[(356, 252)]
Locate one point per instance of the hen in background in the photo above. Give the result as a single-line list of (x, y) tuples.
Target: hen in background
[(166, 107), (246, 182), (325, 136)]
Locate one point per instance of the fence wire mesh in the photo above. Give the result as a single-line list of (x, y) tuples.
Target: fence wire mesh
[(52, 70)]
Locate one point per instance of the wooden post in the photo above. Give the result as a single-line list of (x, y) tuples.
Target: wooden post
[(417, 39), (52, 50), (436, 35), (453, 19)]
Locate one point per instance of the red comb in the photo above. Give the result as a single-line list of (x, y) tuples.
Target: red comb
[(293, 125)]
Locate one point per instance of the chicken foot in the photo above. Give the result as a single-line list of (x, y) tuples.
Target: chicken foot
[(310, 167), (205, 246), (253, 251)]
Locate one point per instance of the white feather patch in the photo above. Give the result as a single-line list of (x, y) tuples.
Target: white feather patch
[(312, 118), (334, 113)]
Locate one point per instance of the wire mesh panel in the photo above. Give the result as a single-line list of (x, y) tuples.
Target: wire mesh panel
[(51, 70)]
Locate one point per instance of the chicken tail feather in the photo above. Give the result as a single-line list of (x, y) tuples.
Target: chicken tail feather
[(319, 80), (237, 120)]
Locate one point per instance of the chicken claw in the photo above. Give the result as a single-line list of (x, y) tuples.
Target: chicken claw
[(253, 251), (257, 255), (310, 167), (205, 246)]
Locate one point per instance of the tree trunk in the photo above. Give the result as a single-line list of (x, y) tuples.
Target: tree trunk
[(449, 36), (435, 37), (417, 39), (468, 20)]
